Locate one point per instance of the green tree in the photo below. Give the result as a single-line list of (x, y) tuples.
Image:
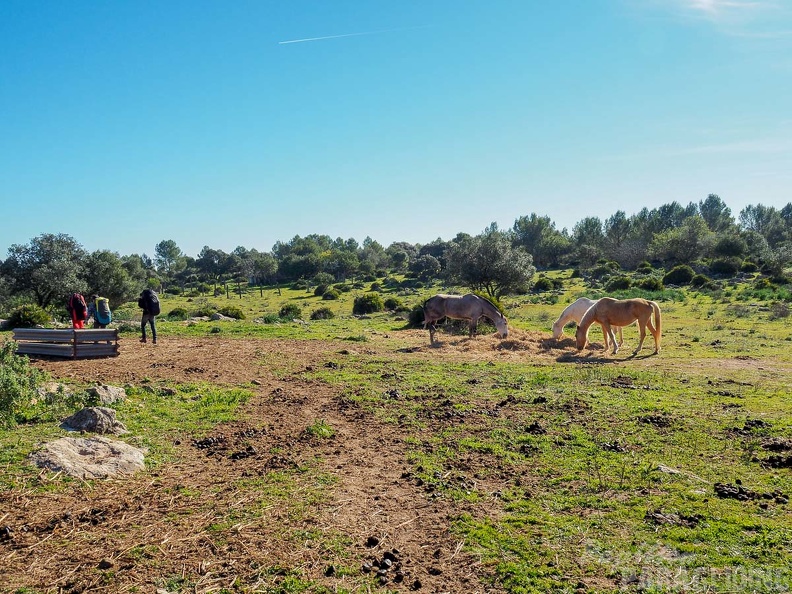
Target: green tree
[(105, 274), (716, 214), (48, 268), (169, 259), (490, 262)]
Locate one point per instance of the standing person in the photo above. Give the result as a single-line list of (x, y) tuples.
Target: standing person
[(149, 303), (99, 309), (78, 310)]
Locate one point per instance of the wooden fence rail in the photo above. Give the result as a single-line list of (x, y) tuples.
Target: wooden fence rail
[(67, 343)]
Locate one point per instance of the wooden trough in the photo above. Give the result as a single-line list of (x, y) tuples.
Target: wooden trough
[(67, 343)]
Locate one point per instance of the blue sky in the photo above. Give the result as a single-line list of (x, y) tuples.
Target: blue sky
[(126, 123)]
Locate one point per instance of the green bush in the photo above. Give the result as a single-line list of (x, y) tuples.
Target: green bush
[(320, 290), (644, 267), (416, 317), (204, 311), (300, 285), (651, 283), (748, 266), (543, 284), (725, 266), (28, 316), (18, 382), (679, 275), (232, 311), (368, 303), (343, 287), (323, 313), (331, 294), (323, 278), (178, 313), (376, 287), (393, 303), (618, 283), (290, 311), (699, 281)]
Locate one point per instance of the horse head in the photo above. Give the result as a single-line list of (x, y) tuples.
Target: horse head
[(502, 325), (581, 337)]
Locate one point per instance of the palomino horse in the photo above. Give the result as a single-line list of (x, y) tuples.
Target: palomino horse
[(574, 313), (468, 307), (611, 312)]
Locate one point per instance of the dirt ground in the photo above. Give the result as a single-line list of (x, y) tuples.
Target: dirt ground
[(71, 541)]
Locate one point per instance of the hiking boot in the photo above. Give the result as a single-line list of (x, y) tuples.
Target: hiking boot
[(154, 341), (142, 340)]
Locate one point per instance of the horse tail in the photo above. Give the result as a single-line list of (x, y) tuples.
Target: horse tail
[(658, 323)]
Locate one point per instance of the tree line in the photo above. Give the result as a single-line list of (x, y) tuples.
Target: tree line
[(497, 261)]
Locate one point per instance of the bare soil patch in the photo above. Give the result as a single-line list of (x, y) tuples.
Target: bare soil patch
[(69, 541)]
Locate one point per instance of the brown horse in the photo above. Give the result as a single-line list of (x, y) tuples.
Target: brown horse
[(613, 312), (468, 307)]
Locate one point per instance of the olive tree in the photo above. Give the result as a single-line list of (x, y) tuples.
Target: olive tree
[(47, 269), (490, 262)]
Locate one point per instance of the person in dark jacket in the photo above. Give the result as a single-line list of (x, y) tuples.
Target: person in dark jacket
[(149, 303)]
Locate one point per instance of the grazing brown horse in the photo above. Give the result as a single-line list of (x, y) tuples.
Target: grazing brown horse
[(468, 307), (613, 312)]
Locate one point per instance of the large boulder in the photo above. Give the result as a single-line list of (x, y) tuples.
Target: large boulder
[(89, 458), (107, 394), (96, 419)]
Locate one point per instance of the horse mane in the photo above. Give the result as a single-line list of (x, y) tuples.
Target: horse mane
[(588, 317)]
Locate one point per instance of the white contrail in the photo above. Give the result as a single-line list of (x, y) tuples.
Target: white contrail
[(348, 35)]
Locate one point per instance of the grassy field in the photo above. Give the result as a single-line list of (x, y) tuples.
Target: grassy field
[(561, 471)]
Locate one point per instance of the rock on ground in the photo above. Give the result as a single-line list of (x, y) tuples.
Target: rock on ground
[(89, 458), (96, 419)]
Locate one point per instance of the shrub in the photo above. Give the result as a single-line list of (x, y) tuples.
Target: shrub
[(699, 281), (644, 267), (725, 266), (543, 284), (618, 283), (300, 285), (331, 294), (28, 316), (393, 303), (204, 311), (173, 290), (290, 311), (575, 273), (232, 311), (178, 313), (342, 287), (762, 283), (18, 382), (376, 287), (679, 275), (748, 266), (368, 303), (323, 278), (415, 318), (323, 313), (320, 290), (651, 283)]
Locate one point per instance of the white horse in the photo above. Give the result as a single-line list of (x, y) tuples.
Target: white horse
[(574, 313)]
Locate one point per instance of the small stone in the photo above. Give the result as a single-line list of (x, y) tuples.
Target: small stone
[(372, 541), (105, 564), (416, 585), (329, 571)]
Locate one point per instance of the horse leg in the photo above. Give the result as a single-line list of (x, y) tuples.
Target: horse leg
[(605, 337), (472, 327), (655, 334), (621, 335), (642, 331), (612, 337)]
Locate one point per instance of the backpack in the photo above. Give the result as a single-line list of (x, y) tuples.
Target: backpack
[(78, 307), (102, 311), (151, 304)]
